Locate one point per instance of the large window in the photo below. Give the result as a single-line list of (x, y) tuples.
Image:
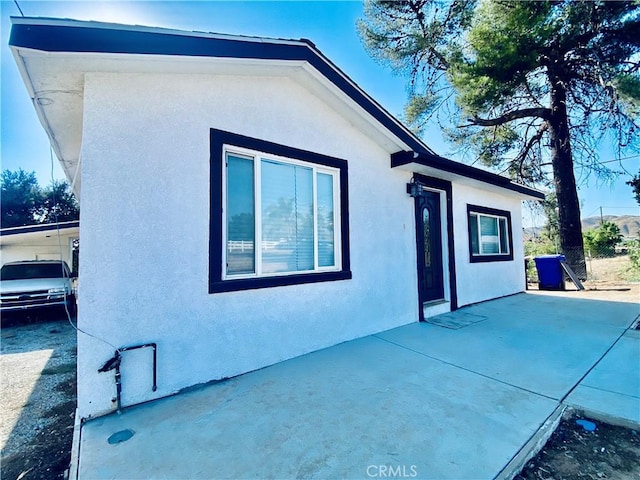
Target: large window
[(283, 215), (490, 238), (285, 207)]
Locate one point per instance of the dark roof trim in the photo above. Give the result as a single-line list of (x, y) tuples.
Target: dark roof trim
[(93, 37), (404, 158), (39, 228), (58, 35)]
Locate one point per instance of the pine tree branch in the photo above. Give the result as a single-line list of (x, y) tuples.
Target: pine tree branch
[(536, 138), (537, 112), (416, 8)]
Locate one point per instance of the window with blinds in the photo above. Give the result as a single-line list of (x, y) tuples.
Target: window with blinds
[(280, 215), (489, 234)]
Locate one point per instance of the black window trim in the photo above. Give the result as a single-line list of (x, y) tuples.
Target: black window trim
[(220, 138), (474, 258)]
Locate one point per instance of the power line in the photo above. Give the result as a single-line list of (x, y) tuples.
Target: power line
[(19, 9), (587, 216), (620, 159), (601, 162), (630, 208)]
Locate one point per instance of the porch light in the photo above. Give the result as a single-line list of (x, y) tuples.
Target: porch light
[(414, 189)]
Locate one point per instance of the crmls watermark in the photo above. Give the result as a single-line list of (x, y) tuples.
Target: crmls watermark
[(392, 471)]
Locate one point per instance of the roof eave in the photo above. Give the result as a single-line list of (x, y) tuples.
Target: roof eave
[(73, 36), (434, 161), (42, 117), (41, 227), (53, 35)]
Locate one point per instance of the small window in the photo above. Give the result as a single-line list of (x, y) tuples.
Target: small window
[(283, 217), (490, 237)]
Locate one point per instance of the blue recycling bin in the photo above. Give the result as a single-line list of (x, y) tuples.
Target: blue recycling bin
[(550, 274)]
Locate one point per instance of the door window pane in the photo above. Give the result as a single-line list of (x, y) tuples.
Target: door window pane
[(326, 233), (287, 217), (426, 236), (240, 215)]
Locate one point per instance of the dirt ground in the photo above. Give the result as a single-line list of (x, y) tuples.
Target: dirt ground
[(608, 452), (38, 395), (609, 270), (605, 281)]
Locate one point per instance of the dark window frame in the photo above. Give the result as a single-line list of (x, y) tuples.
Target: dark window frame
[(220, 138), (501, 257)]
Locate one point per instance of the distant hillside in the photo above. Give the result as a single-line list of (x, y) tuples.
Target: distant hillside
[(629, 226), (531, 233)]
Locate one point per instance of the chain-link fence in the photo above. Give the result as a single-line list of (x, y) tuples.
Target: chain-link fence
[(607, 265), (617, 264)]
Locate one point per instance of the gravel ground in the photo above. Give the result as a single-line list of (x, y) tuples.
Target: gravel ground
[(38, 395)]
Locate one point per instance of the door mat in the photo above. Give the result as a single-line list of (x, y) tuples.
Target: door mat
[(455, 320)]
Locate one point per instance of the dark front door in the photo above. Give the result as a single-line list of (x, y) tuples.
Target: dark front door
[(429, 241)]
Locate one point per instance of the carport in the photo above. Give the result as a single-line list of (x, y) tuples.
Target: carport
[(49, 241)]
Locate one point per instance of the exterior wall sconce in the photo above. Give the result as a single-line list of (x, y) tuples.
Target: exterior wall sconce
[(414, 189)]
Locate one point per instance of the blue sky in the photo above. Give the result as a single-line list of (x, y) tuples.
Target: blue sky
[(330, 25)]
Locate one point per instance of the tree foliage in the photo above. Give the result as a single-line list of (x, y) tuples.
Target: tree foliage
[(497, 59), (519, 86), (634, 258), (25, 202), (20, 198), (58, 204), (634, 183), (601, 241), (541, 246), (550, 207)]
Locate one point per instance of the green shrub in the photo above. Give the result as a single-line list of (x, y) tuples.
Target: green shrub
[(602, 241), (535, 248), (634, 253), (633, 248), (539, 247)]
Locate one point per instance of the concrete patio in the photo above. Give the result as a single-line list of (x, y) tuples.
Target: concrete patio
[(419, 401)]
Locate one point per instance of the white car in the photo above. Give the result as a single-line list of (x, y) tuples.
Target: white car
[(32, 284)]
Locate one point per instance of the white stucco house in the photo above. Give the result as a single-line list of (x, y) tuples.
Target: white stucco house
[(40, 242), (245, 202)]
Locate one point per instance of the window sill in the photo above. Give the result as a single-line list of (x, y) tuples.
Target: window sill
[(491, 258), (219, 286)]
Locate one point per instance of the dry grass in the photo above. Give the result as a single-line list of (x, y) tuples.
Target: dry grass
[(609, 271)]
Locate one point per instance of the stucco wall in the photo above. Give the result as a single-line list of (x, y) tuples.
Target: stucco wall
[(477, 282), (145, 235)]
